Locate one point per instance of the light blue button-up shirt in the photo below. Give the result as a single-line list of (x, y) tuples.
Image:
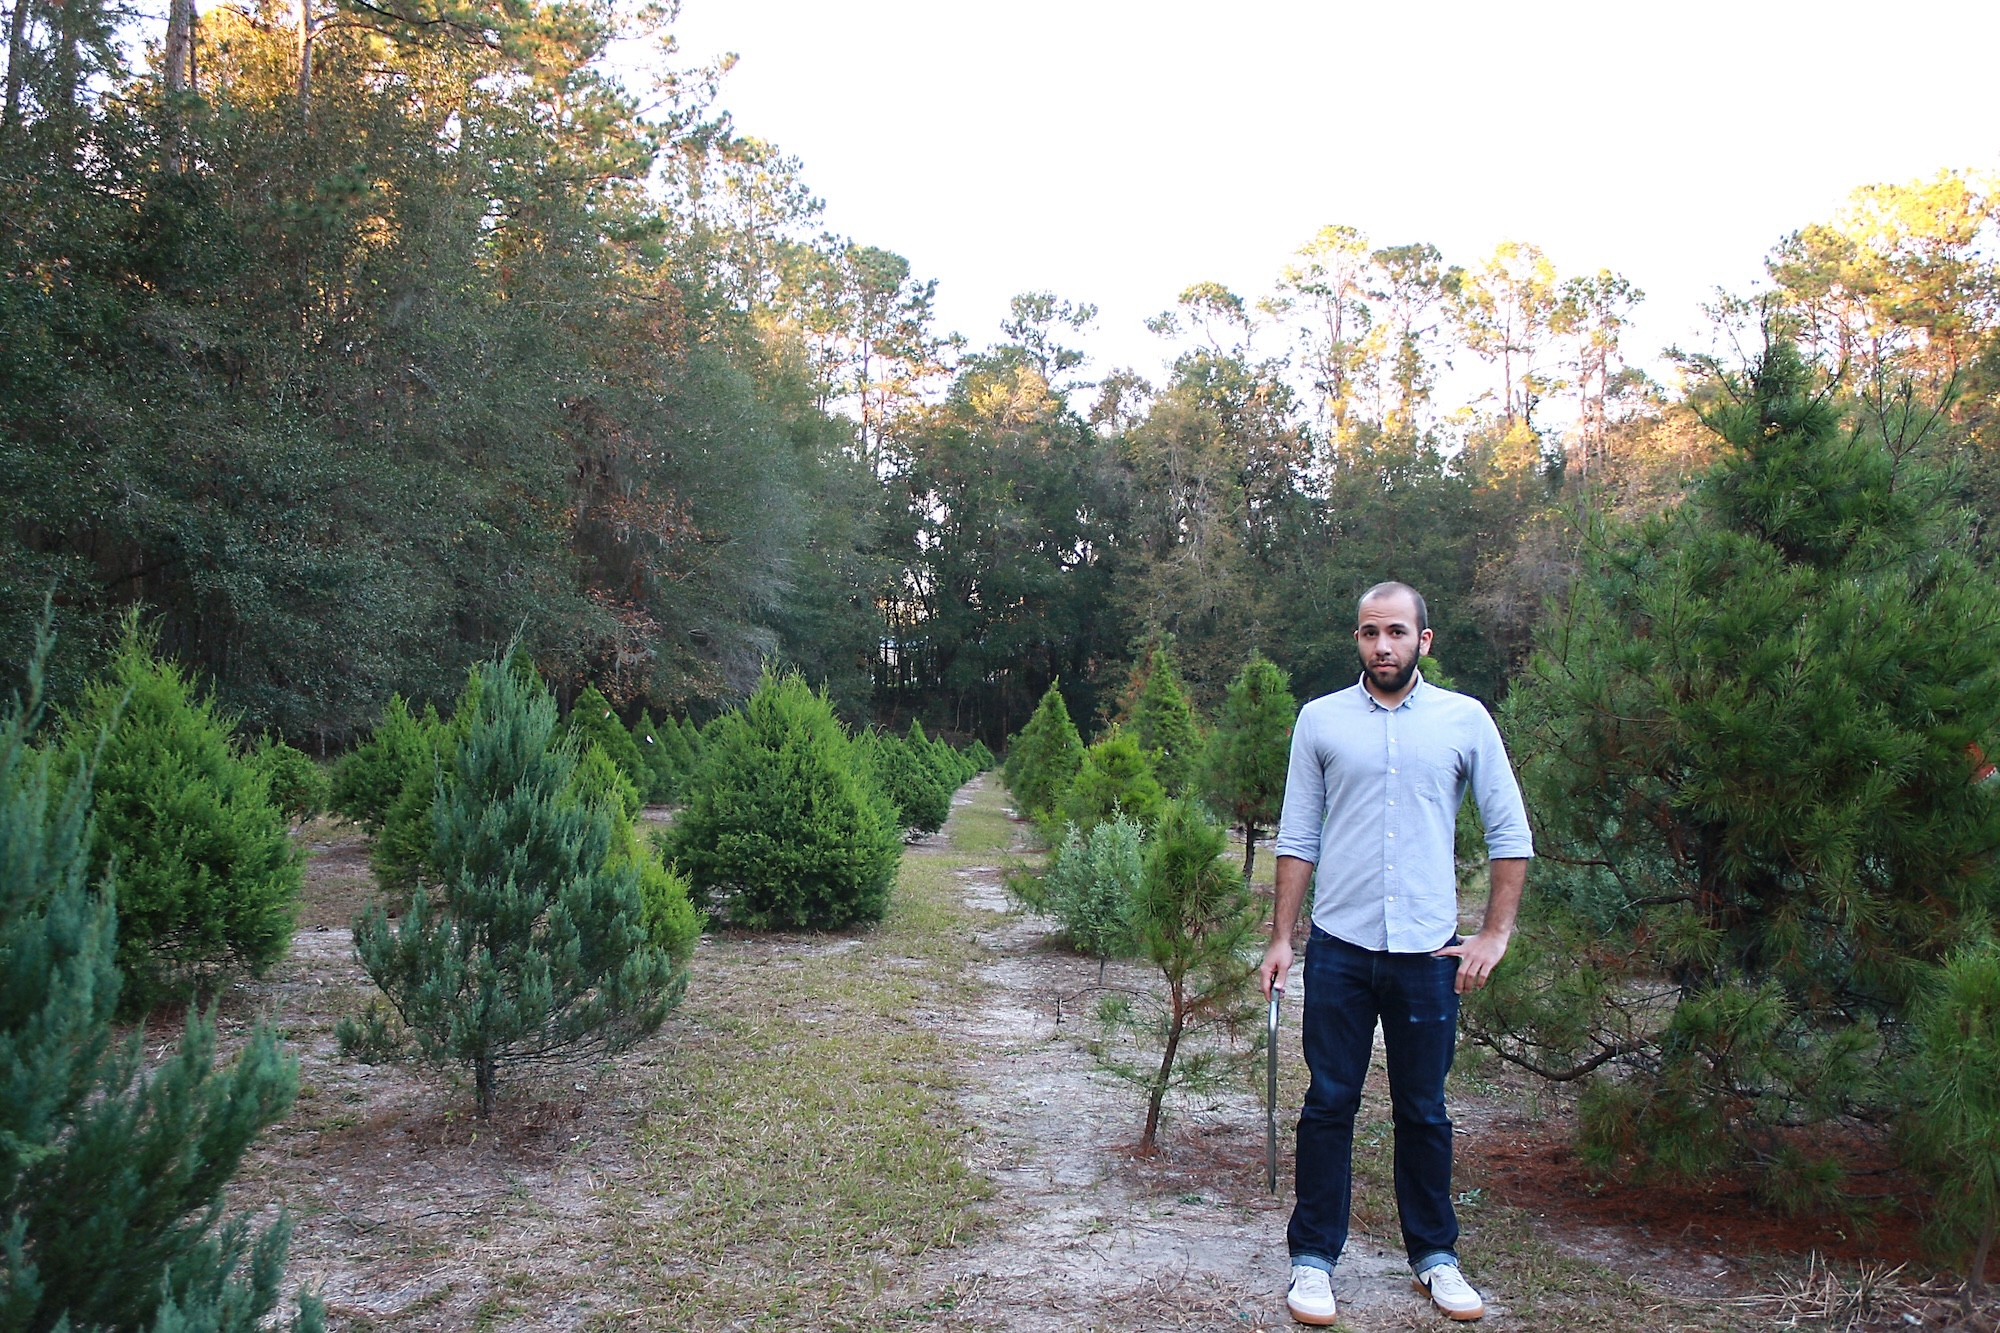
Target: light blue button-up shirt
[(1372, 800)]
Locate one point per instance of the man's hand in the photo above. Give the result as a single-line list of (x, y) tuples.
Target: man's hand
[(1477, 956), (1277, 962)]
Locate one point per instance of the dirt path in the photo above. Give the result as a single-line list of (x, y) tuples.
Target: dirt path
[(1089, 1235)]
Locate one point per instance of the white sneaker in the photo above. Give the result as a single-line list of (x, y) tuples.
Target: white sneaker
[(1450, 1292), (1311, 1298)]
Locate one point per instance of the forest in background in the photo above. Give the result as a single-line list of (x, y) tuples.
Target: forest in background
[(352, 341)]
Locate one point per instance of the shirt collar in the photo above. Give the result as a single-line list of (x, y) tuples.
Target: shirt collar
[(1361, 683)]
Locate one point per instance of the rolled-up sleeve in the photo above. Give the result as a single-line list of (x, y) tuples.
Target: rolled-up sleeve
[(1304, 813), (1498, 795)]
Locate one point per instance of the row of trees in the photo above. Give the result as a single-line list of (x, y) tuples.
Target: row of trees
[(352, 350)]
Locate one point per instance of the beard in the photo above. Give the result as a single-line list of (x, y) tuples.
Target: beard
[(1396, 682)]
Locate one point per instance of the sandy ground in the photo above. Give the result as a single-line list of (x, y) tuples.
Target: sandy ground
[(409, 1214)]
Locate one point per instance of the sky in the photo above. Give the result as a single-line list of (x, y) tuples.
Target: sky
[(1117, 152)]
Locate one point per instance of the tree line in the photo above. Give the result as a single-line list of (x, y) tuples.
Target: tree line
[(354, 341)]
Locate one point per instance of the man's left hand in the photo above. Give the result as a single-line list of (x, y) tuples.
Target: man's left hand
[(1477, 956)]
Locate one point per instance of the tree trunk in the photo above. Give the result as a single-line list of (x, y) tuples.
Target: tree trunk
[(17, 51), (1975, 1273), (1249, 849), (305, 58), (1160, 1080), (180, 35), (482, 1079), (179, 74)]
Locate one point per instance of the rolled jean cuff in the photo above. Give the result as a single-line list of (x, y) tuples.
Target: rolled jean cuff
[(1429, 1261), (1313, 1261)]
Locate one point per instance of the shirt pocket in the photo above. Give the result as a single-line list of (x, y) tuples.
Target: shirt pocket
[(1436, 776)]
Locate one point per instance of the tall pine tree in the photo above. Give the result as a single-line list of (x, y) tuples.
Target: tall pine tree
[(1750, 741)]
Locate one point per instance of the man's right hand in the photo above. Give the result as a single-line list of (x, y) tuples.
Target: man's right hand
[(1277, 963)]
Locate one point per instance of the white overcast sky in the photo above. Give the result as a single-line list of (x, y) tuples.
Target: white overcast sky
[(1116, 152)]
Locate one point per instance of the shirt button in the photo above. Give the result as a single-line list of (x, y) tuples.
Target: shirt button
[(1390, 867), (1392, 803), (1392, 897), (1392, 770), (1392, 835)]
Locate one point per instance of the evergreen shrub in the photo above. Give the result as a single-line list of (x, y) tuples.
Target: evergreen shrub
[(369, 778), (593, 721), (112, 1176), (665, 768), (207, 876), (1248, 753), (528, 941), (297, 785), (979, 757), (1091, 885), (1116, 778), (781, 828), (1043, 758), (1953, 1129), (909, 780), (1165, 724)]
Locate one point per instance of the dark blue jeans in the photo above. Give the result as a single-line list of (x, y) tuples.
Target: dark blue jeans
[(1347, 989)]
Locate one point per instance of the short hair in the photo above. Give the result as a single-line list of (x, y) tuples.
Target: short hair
[(1392, 589)]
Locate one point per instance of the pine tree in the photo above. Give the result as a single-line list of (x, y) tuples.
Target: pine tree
[(298, 786), (593, 721), (1748, 741), (781, 827), (369, 778), (1954, 1125), (1197, 923), (1093, 883), (1116, 778), (207, 876), (909, 781), (112, 1177), (1044, 756), (979, 757), (1164, 722), (663, 774), (530, 945), (1247, 755)]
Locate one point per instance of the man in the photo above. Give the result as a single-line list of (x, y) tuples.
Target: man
[(1377, 773)]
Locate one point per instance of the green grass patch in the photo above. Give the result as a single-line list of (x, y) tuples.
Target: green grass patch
[(804, 1149)]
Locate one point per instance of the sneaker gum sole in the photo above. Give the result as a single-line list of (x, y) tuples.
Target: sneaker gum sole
[(1316, 1320), (1461, 1315)]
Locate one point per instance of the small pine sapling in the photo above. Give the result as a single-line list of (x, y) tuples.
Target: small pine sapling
[(981, 758), (112, 1174), (530, 944), (207, 876), (1044, 757), (1165, 723), (1954, 1126), (663, 775), (593, 721), (369, 778), (1246, 757), (1091, 887), (297, 785), (911, 782), (782, 827), (1197, 923), (1116, 778)]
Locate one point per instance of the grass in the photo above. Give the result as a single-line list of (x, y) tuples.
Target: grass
[(804, 1150)]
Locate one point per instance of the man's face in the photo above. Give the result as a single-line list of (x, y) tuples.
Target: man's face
[(1389, 641)]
